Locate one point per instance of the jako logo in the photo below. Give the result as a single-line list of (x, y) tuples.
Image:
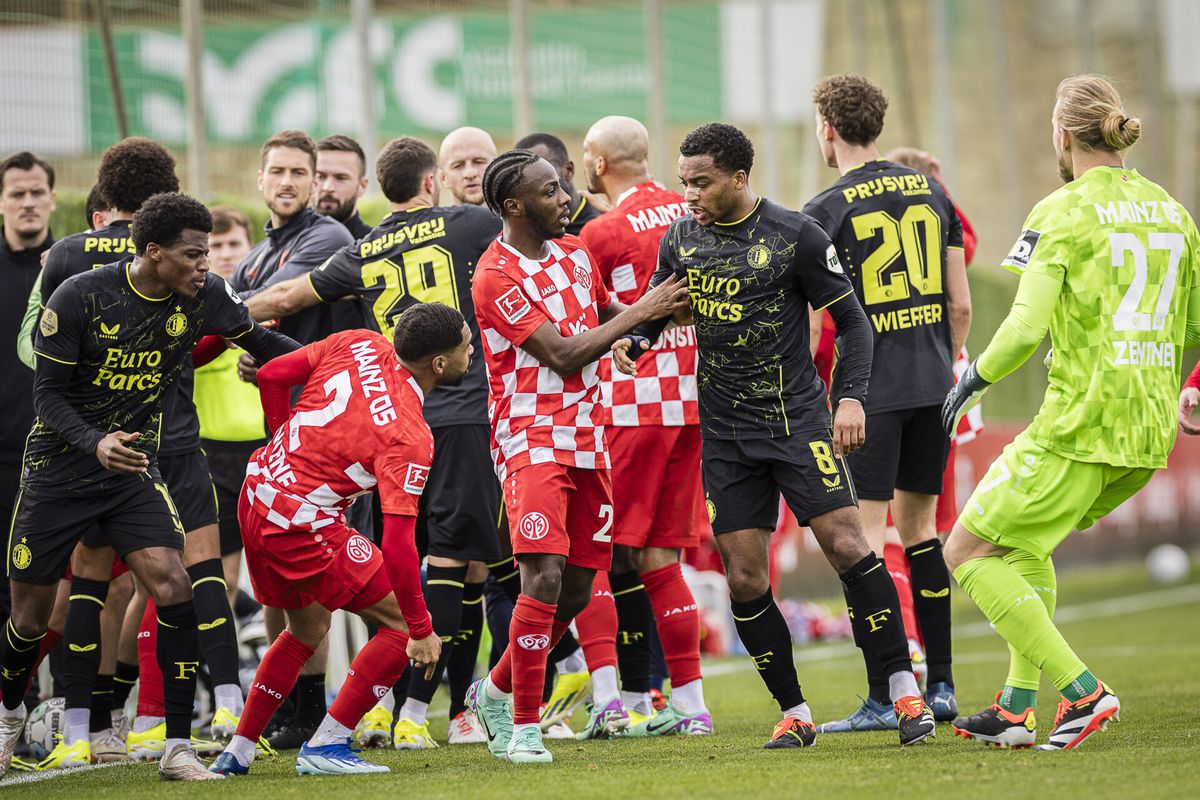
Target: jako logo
[(534, 526), (534, 641), (268, 690), (683, 610)]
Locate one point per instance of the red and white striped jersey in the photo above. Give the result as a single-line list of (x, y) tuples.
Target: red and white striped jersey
[(537, 416), (624, 242), (357, 424)]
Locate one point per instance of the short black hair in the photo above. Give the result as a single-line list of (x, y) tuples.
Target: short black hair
[(95, 202), (729, 148), (503, 176), (133, 170), (164, 217), (558, 151), (341, 143), (401, 166), (427, 329), (25, 160)]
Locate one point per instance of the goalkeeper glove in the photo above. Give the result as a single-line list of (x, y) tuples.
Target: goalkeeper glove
[(965, 394)]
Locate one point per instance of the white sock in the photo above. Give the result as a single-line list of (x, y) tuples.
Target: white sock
[(95, 736), (12, 713), (173, 743), (638, 702), (77, 725), (688, 699), (604, 686), (415, 710), (800, 712), (492, 692), (902, 683), (388, 701), (572, 663), (229, 696), (143, 724), (242, 749), (517, 729), (330, 731)]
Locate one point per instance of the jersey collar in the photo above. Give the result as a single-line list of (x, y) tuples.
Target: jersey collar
[(757, 205), (632, 190), (129, 280)]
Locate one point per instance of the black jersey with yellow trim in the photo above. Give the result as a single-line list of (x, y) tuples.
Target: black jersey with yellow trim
[(127, 351), (585, 213), (420, 255), (751, 283), (893, 227)]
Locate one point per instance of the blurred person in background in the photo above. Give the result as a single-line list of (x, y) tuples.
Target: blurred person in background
[(341, 181), (464, 155)]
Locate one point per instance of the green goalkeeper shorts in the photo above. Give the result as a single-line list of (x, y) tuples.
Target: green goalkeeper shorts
[(1031, 498)]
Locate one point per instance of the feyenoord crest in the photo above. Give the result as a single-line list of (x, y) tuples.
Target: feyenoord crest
[(758, 256), (177, 322), (22, 556)]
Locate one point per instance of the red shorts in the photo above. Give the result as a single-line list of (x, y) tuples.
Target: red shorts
[(657, 493), (561, 510), (947, 504), (293, 569)]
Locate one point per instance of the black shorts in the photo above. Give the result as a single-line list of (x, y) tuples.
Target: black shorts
[(138, 513), (227, 464), (461, 503), (906, 449), (743, 479), (191, 485)]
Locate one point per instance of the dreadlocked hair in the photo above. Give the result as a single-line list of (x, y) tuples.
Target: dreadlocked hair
[(503, 176)]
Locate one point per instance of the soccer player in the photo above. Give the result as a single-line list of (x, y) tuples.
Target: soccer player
[(341, 179), (464, 155), (753, 268), (654, 440), (26, 202), (1189, 398), (901, 241), (546, 320), (298, 241), (357, 425), (110, 346), (1108, 264), (425, 253), (552, 148)]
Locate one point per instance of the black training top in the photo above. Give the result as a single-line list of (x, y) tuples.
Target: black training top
[(18, 272)]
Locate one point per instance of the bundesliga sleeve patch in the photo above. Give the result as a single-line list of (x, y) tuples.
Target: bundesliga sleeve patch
[(1023, 250), (831, 261), (415, 479), (49, 323), (513, 304)]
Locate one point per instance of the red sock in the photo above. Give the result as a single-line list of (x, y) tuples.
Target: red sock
[(150, 681), (501, 674), (897, 566), (678, 622), (276, 675), (597, 626), (51, 638), (522, 668), (376, 667)]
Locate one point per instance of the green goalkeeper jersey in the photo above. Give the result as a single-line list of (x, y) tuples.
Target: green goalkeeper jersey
[(1125, 256)]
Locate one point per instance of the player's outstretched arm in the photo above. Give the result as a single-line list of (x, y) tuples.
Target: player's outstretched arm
[(567, 355), (1189, 398), (283, 299), (403, 566), (275, 381), (33, 310), (958, 298)]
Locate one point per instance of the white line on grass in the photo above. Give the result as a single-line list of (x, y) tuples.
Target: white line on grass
[(37, 777)]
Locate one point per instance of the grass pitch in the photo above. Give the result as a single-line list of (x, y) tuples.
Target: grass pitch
[(1139, 638)]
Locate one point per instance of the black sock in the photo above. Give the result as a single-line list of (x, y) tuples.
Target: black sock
[(765, 634), (218, 638), (82, 635), (444, 597), (634, 618), (566, 645), (877, 683), (310, 700), (178, 653), (931, 602), (508, 577), (875, 618), (123, 682), (17, 657), (460, 669), (102, 704), (400, 688)]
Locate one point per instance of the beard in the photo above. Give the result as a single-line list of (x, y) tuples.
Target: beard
[(342, 211)]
